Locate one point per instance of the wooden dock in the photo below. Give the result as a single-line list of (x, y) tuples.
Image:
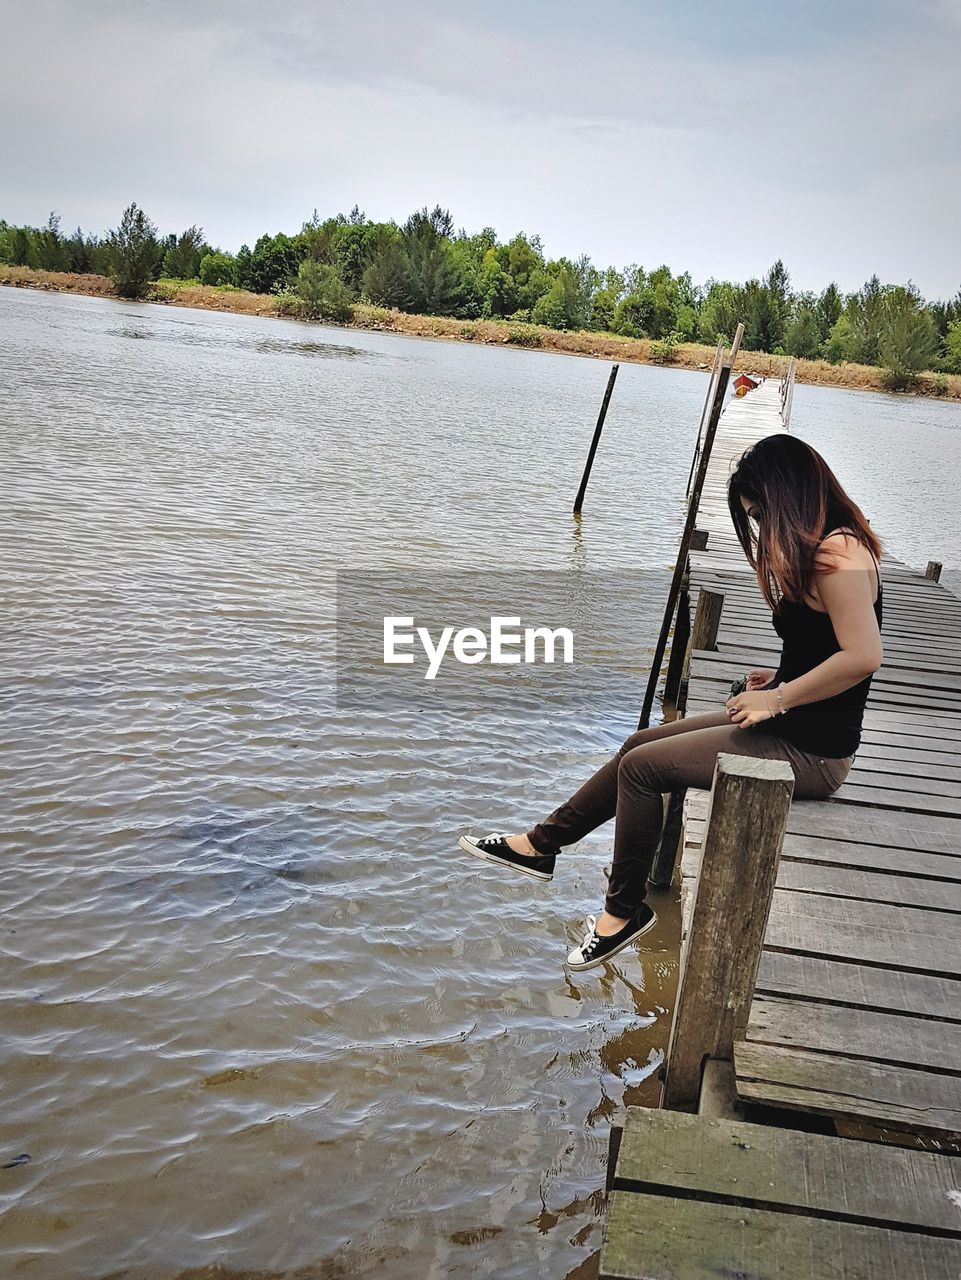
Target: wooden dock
[(855, 1023)]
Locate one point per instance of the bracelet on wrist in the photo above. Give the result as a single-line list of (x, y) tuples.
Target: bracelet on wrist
[(781, 708)]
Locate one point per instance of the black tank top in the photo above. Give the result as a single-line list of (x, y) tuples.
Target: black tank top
[(830, 727)]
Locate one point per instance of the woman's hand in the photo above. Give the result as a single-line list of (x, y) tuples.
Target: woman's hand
[(750, 707), (757, 679)]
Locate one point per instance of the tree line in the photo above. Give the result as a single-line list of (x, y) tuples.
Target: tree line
[(426, 267)]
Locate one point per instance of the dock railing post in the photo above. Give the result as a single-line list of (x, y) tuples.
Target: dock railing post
[(715, 366), (707, 619), (680, 647), (741, 849), (787, 400), (579, 500), (680, 566)]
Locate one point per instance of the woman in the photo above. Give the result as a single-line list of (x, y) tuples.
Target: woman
[(816, 561)]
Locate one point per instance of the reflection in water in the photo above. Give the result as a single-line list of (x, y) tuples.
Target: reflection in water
[(255, 999), (193, 335)]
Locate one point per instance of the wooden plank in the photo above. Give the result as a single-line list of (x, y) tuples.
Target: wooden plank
[(906, 863), (725, 666), (921, 1102), (931, 832), (880, 797), (900, 727), (904, 769), (859, 986), (649, 1237), (891, 755), (887, 828), (865, 932), (673, 1153), (893, 1038), (870, 886)]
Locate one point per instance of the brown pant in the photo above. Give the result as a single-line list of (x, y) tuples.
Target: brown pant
[(668, 757)]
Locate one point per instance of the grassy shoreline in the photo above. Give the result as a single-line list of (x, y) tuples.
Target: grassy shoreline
[(489, 332)]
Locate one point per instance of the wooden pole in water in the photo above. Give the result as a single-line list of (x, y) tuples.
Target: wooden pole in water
[(933, 571), (579, 500), (680, 567), (750, 799)]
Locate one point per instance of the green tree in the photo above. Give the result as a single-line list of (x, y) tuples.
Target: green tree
[(802, 337), (217, 269), (838, 346), (498, 289), (603, 309), (134, 253), (431, 273), (353, 249), (385, 280), (908, 339), (272, 264), (21, 248), (560, 307), (318, 240), (777, 283), (50, 252), (634, 317), (763, 323), (322, 293), (523, 260), (864, 310), (80, 253), (952, 345), (718, 316), (945, 313), (828, 310), (182, 258)]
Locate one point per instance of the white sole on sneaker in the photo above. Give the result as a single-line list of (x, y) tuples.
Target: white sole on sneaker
[(609, 955), (468, 845)]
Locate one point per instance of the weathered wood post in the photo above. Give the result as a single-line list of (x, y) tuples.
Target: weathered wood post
[(679, 644), (707, 619), (579, 500), (750, 799), (715, 365), (789, 394), (933, 571), (680, 640)]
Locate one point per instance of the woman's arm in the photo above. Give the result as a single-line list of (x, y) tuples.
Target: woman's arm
[(846, 594)]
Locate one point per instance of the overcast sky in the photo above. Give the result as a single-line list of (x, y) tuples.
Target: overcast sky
[(712, 137)]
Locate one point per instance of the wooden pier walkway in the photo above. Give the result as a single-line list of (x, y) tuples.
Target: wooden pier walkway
[(856, 1015)]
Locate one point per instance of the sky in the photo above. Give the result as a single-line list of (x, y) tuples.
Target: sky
[(713, 138)]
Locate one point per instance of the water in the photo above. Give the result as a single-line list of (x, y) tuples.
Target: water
[(257, 1011)]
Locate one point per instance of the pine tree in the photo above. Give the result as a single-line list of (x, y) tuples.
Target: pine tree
[(134, 253)]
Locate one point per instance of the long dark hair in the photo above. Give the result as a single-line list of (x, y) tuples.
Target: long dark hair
[(800, 500)]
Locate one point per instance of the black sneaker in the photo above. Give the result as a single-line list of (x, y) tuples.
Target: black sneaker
[(595, 949), (494, 848)]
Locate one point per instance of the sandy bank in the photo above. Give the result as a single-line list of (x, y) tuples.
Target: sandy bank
[(489, 332)]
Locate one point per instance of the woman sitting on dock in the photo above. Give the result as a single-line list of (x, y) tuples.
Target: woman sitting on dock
[(798, 528)]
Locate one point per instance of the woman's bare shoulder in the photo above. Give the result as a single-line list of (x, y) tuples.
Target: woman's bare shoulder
[(842, 550)]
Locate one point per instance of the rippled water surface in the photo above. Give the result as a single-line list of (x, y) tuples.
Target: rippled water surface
[(257, 1011)]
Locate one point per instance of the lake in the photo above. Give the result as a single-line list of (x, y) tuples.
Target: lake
[(258, 1010)]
